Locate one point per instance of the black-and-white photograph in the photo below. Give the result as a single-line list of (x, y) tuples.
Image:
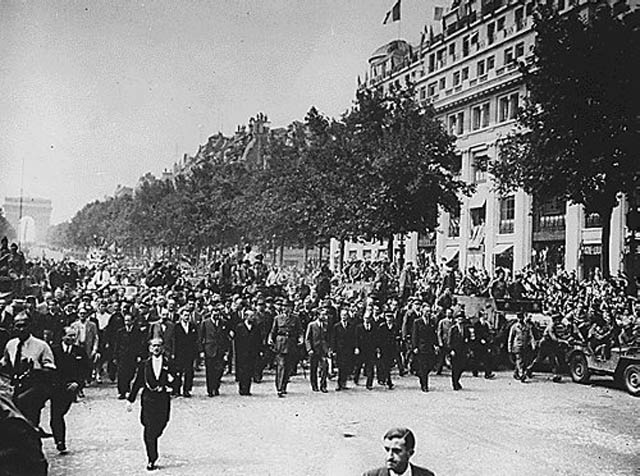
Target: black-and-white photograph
[(319, 238)]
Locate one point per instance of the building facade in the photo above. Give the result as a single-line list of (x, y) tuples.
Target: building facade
[(469, 72)]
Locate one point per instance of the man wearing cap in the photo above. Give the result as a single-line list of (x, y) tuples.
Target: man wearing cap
[(520, 340), (154, 376), (284, 336)]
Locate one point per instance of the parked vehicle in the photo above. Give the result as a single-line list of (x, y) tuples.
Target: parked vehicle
[(623, 365)]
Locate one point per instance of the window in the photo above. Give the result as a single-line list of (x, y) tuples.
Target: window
[(452, 51), (440, 59), (480, 68), (592, 220), (508, 107), (519, 18), (407, 79), (465, 73), (479, 163), (454, 224), (431, 89), (507, 215), (491, 62), (465, 46), (456, 78), (432, 62), (561, 5), (443, 83), (500, 24), (480, 116), (491, 34), (456, 123), (508, 56), (423, 93), (520, 49)]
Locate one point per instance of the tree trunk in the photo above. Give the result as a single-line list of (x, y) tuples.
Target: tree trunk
[(341, 257), (281, 253), (605, 239), (320, 249), (390, 249)]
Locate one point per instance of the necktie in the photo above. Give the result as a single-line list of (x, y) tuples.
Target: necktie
[(18, 359)]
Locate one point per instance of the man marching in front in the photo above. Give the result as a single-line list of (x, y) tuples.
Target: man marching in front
[(155, 376)]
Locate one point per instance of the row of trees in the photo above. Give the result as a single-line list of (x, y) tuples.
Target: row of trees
[(387, 166)]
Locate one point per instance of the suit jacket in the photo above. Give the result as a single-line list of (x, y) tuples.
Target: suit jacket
[(344, 340), (367, 340), (186, 344), (128, 346), (415, 471), (316, 339), (387, 339), (458, 340), (72, 366), (248, 343), (90, 339), (423, 337), (166, 330), (213, 338)]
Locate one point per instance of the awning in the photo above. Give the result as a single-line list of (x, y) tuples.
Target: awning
[(477, 201), (499, 249), (449, 254)]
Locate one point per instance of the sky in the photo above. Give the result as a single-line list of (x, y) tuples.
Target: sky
[(96, 94)]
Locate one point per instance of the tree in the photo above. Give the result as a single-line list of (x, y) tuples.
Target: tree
[(577, 136), (5, 227), (58, 235), (404, 164)]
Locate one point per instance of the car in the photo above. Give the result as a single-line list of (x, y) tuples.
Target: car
[(623, 365)]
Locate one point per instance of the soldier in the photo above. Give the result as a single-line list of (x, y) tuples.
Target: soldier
[(284, 336), (554, 338), (483, 345), (520, 339)]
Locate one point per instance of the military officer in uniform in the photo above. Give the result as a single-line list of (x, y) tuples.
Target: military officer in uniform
[(283, 337)]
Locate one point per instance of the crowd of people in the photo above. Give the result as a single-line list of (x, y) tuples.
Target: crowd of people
[(152, 327)]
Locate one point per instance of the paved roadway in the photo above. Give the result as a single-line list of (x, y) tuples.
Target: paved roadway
[(498, 427)]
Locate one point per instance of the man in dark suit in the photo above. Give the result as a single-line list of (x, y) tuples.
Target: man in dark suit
[(248, 341), (317, 345), (367, 346), (387, 344), (186, 352), (424, 345), (344, 345), (165, 330), (155, 377), (128, 351), (213, 341), (399, 446), (284, 336), (72, 365), (458, 350)]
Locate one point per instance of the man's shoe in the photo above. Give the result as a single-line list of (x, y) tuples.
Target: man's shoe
[(490, 376), (122, 396), (280, 395), (186, 395), (151, 466), (324, 390), (315, 389), (62, 448), (369, 387), (557, 378), (216, 393), (390, 386)]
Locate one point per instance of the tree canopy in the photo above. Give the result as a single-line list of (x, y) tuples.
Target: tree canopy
[(577, 134)]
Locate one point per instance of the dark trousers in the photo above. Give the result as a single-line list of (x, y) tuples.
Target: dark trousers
[(150, 436), (245, 369), (519, 372), (457, 367), (384, 369), (345, 366), (214, 368), (442, 357), (366, 364), (30, 401), (184, 377), (424, 364), (263, 362), (126, 372), (551, 350), (481, 360), (318, 362), (61, 401), (283, 369)]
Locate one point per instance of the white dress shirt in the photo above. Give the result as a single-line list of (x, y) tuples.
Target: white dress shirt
[(156, 364)]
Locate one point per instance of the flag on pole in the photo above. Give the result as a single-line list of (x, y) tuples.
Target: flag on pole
[(437, 13), (393, 14)]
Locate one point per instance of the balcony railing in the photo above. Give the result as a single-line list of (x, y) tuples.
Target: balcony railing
[(506, 226), (549, 223)]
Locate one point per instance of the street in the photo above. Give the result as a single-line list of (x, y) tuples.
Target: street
[(489, 428)]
